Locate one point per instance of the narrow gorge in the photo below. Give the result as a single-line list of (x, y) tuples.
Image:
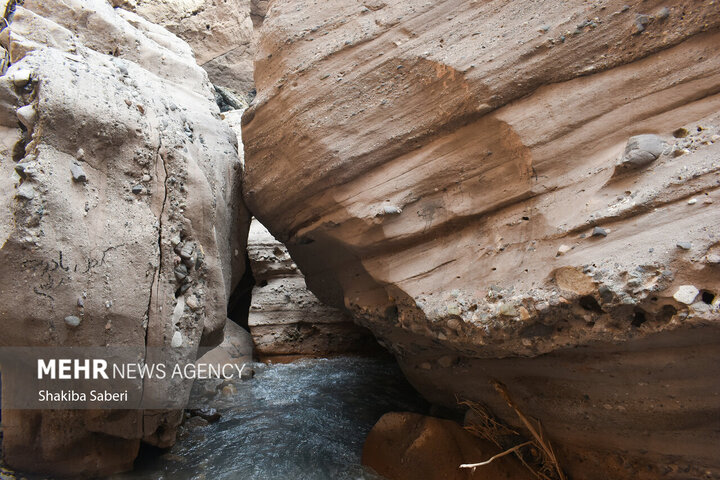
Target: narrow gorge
[(511, 205)]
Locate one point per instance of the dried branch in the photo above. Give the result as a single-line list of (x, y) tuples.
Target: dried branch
[(494, 457)]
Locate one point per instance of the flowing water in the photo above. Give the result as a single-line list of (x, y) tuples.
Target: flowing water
[(301, 421)]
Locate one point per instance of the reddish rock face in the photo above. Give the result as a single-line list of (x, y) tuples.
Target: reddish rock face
[(408, 446), (468, 180)]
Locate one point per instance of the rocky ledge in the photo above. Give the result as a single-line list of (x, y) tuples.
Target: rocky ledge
[(285, 318)]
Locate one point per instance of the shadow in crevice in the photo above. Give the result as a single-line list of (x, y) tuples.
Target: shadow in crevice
[(238, 308)]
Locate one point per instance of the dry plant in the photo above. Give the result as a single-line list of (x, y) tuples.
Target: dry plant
[(539, 456)]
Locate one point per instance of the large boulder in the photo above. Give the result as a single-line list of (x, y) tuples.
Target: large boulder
[(456, 175), (407, 446), (121, 212), (220, 33)]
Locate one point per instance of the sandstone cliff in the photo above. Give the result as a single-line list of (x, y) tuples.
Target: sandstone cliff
[(520, 191), (287, 319), (121, 211)]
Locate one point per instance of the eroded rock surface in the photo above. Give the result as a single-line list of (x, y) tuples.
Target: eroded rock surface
[(121, 210), (220, 33), (285, 317), (458, 175)]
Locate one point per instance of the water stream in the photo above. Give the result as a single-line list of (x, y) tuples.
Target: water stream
[(306, 421)]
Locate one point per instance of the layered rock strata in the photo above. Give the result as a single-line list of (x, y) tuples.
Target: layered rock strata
[(220, 33), (515, 191), (285, 317), (121, 211)]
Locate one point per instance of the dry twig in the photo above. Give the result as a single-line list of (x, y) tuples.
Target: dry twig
[(494, 457)]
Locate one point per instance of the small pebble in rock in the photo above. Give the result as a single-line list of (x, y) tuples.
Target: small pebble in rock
[(27, 116), (641, 23), (177, 340), (181, 272), (137, 189), (21, 77), (72, 321), (712, 258), (681, 133), (192, 303), (187, 250), (25, 191), (686, 294), (642, 150), (146, 178), (684, 245), (562, 250), (78, 174), (599, 232), (391, 210), (692, 201), (81, 302), (663, 13)]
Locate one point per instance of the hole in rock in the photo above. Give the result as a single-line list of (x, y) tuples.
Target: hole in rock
[(639, 318), (707, 297), (666, 313), (589, 303)]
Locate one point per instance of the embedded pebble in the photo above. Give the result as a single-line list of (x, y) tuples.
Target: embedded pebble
[(684, 245), (25, 191), (72, 321), (27, 116), (181, 272), (21, 77), (692, 201), (599, 232), (391, 210), (686, 294), (137, 189), (78, 174), (192, 303), (712, 258), (641, 150), (563, 249), (177, 340)]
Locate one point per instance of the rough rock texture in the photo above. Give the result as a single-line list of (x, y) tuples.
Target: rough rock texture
[(220, 33), (236, 347), (287, 319), (457, 174), (136, 251), (409, 446)]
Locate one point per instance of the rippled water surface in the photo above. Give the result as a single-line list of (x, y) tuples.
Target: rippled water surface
[(301, 421)]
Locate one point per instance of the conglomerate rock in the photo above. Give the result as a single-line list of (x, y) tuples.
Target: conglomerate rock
[(120, 212), (512, 190)]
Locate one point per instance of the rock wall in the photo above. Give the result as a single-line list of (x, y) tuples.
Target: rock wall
[(519, 191), (220, 33), (120, 207), (285, 317)]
